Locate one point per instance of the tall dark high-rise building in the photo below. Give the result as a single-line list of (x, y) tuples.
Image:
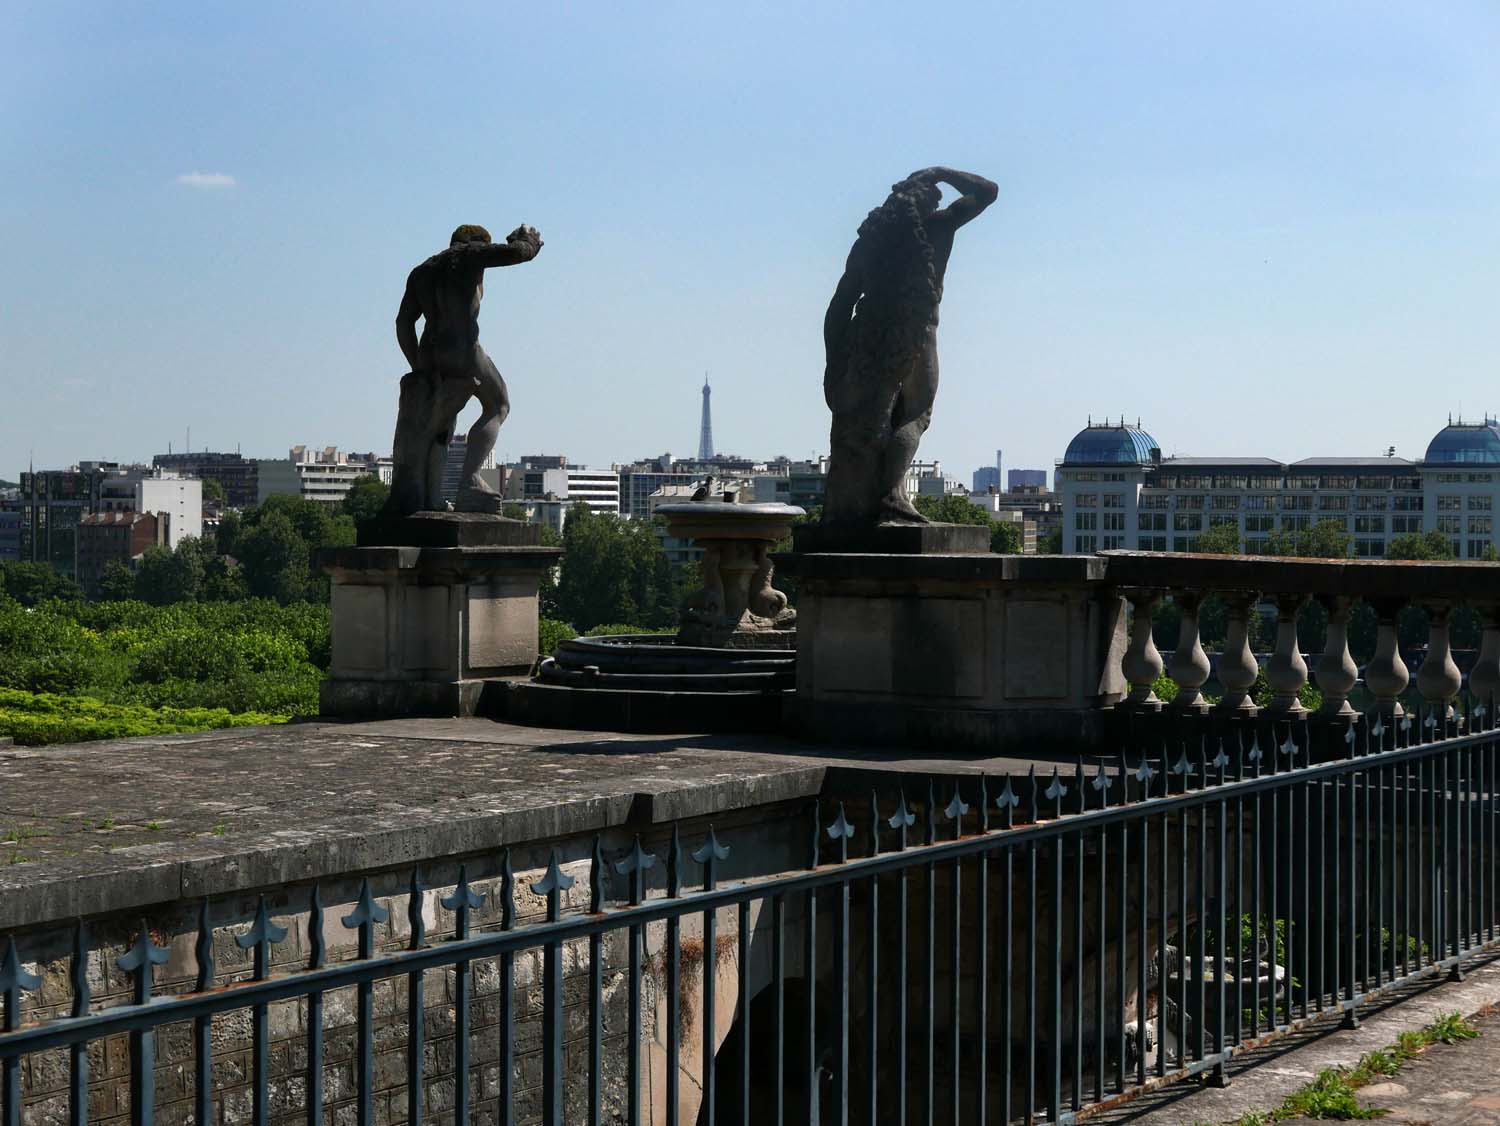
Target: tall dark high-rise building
[(706, 430)]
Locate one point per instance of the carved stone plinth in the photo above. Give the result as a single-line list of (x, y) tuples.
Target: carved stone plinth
[(956, 652), (447, 529), (737, 607), (420, 630), (892, 539)]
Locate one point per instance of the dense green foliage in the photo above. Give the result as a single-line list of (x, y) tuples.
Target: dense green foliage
[(31, 583), (247, 658), (551, 633), (1420, 545), (1327, 539), (613, 570), (365, 498), (1005, 537), (1220, 539), (36, 718)]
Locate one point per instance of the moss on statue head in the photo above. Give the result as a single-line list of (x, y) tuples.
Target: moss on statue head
[(469, 232)]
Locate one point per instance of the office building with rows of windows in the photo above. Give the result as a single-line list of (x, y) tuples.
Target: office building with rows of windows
[(1118, 492)]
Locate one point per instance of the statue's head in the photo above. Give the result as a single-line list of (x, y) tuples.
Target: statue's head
[(923, 194), (897, 254), (469, 232)]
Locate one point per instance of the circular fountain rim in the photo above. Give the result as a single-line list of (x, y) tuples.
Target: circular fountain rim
[(712, 508), (669, 640)]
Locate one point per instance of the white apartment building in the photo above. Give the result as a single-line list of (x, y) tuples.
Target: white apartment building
[(599, 489), (1118, 492), (325, 476), (179, 498), (166, 494)]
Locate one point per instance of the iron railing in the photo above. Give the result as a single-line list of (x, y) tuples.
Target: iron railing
[(992, 949)]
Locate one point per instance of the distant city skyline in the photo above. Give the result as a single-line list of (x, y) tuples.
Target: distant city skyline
[(1261, 230)]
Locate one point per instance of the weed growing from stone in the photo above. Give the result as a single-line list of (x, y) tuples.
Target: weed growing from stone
[(1451, 1029), (153, 825), (1329, 1095), (1332, 1093)]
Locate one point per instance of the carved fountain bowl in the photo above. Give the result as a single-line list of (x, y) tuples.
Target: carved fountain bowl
[(718, 520)]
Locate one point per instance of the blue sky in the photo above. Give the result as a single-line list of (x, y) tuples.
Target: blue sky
[(1265, 229)]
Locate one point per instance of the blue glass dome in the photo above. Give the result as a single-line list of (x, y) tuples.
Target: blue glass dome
[(1112, 445), (1464, 443)]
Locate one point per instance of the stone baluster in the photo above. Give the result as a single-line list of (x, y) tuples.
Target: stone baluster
[(1142, 664), (1287, 671), (1237, 664), (1484, 677), (1386, 675), (1190, 667), (1438, 679), (1337, 672)]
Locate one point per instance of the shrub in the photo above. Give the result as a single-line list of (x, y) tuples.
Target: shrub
[(32, 719), (551, 633), (250, 656), (45, 652)]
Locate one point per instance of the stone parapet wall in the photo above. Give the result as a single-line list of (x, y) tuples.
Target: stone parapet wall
[(758, 848)]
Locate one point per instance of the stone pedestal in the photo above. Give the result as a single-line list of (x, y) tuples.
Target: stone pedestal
[(737, 607), (892, 539), (418, 630), (956, 652)]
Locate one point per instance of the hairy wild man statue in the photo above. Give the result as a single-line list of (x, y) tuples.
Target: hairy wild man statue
[(881, 339), (448, 367)]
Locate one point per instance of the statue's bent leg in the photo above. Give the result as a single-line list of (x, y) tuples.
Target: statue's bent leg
[(474, 493), (909, 421)]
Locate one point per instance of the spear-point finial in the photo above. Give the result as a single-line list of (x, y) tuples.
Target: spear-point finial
[(709, 856), (262, 935)]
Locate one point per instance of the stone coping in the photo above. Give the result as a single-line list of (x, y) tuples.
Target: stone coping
[(1367, 578), (956, 567), (435, 561), (126, 824)]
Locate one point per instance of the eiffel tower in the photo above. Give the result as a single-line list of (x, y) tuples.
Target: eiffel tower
[(706, 430)]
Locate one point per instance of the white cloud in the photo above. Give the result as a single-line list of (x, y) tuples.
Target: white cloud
[(206, 180)]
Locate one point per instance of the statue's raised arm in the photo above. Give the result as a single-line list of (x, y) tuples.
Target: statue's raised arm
[(521, 245), (975, 193)]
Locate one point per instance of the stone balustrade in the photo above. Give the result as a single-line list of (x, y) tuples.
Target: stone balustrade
[(1145, 579)]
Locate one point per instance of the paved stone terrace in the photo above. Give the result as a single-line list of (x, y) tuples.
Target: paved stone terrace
[(97, 827)]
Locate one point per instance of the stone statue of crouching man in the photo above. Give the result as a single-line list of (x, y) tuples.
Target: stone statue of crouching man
[(448, 367)]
